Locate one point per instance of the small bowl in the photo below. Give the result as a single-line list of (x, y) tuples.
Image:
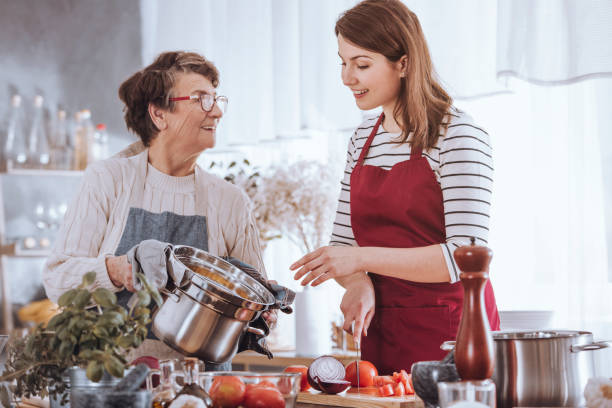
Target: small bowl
[(425, 378), (107, 398), (288, 384)]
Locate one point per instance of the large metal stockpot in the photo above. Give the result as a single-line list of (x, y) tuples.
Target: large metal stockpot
[(206, 317), (543, 368)]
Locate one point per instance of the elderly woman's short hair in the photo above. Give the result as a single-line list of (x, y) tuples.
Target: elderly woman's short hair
[(154, 83)]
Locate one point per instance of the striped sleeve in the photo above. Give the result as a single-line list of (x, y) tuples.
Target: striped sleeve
[(342, 233), (466, 180)]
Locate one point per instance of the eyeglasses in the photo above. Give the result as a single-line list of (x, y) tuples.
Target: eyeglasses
[(206, 100)]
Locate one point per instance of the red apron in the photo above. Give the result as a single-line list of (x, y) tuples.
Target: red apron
[(403, 208)]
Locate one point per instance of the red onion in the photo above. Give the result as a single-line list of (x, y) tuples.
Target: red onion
[(333, 386), (327, 374)]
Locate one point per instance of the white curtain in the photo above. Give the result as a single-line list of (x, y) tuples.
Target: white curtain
[(275, 59), (554, 42), (535, 73)]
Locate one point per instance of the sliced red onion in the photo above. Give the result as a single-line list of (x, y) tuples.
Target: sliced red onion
[(325, 369), (333, 386)]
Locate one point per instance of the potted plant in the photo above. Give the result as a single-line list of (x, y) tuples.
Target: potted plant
[(91, 331)]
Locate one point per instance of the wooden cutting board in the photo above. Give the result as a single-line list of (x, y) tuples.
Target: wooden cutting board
[(365, 398)]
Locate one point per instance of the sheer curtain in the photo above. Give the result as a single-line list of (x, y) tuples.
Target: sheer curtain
[(535, 73)]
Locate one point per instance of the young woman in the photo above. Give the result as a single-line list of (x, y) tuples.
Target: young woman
[(417, 185)]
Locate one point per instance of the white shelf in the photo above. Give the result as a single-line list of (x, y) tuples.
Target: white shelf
[(14, 251), (42, 172)]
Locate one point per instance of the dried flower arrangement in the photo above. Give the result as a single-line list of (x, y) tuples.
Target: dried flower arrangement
[(249, 179), (296, 200), (302, 197)]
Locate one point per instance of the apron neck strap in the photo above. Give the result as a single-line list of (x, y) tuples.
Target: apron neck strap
[(415, 153), (366, 146)]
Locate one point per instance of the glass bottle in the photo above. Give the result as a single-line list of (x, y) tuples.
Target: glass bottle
[(39, 153), (60, 144), (15, 152), (167, 389), (191, 368), (83, 139), (100, 143)]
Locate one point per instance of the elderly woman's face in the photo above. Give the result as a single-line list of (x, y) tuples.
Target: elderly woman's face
[(189, 125)]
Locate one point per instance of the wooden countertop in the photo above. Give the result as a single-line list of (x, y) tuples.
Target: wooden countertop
[(356, 399), (286, 358)]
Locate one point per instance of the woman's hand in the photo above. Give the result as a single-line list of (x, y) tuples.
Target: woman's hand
[(327, 262), (271, 316), (120, 272), (357, 306)]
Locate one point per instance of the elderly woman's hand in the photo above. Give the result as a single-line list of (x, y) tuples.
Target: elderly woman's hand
[(271, 316), (120, 272)]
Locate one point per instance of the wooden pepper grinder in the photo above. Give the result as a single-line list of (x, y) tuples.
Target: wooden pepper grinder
[(474, 356)]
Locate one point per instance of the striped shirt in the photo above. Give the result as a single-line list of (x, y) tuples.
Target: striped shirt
[(462, 163)]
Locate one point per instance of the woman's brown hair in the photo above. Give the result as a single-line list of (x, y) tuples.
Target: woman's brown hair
[(154, 83), (389, 28)]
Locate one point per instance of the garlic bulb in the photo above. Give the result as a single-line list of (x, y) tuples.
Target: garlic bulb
[(598, 393), (187, 401)]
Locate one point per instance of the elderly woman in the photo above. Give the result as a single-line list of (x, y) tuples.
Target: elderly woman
[(154, 189)]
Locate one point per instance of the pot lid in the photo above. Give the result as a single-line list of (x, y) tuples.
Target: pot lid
[(216, 275), (537, 334)]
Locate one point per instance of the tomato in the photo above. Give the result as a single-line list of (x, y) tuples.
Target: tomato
[(266, 383), (227, 391), (367, 372), (302, 369), (386, 390), (409, 386), (399, 390), (263, 397), (404, 378), (381, 380)]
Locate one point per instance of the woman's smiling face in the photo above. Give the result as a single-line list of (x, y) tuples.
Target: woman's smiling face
[(189, 125), (374, 80)]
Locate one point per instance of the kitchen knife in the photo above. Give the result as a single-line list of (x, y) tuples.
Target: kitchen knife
[(357, 343)]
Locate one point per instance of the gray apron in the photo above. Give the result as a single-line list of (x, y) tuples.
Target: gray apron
[(166, 227)]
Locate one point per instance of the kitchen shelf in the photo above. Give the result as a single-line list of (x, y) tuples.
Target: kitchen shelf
[(43, 172), (18, 190), (15, 251)]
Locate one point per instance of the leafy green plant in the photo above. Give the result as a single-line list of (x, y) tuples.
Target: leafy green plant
[(91, 331)]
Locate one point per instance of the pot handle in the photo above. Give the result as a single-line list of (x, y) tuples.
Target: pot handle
[(598, 345), (169, 294), (448, 345), (257, 331)]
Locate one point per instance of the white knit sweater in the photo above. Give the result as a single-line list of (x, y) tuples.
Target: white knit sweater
[(94, 222)]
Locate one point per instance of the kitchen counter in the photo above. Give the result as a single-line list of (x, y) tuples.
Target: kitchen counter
[(252, 361), (356, 399)]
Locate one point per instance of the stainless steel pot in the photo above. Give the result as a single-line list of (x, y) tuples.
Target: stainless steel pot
[(543, 368), (206, 317), (548, 368)]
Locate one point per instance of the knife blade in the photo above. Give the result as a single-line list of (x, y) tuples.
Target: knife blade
[(357, 343), (357, 340)]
